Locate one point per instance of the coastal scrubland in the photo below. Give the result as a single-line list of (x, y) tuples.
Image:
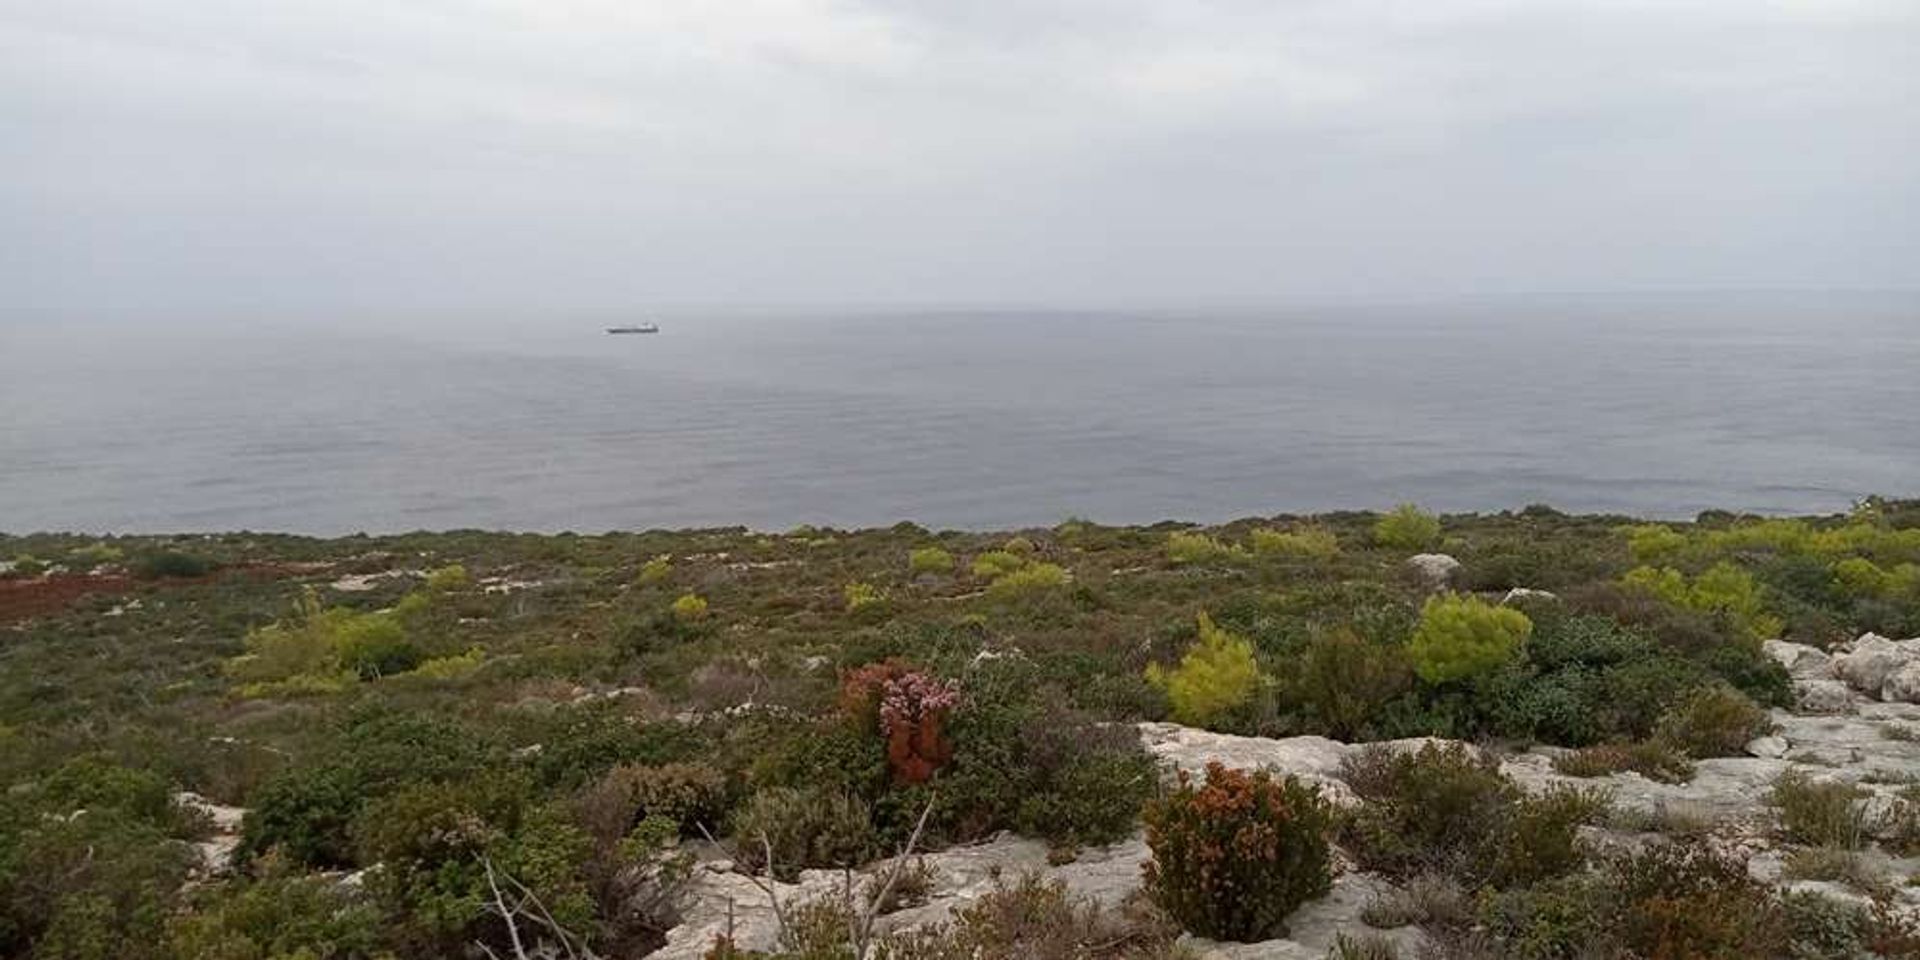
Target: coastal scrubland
[(470, 744)]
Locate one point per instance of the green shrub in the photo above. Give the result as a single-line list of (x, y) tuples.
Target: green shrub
[(1027, 581), (1827, 814), (1723, 590), (1214, 681), (282, 915), (1341, 681), (862, 596), (1184, 547), (1234, 857), (1653, 759), (306, 811), (930, 560), (690, 608), (1407, 527), (995, 564), (1715, 721), (1442, 810), (1020, 547), (448, 579), (802, 829), (687, 795), (435, 843), (1462, 636), (1653, 543), (1311, 542), (162, 564), (656, 570), (1685, 900)]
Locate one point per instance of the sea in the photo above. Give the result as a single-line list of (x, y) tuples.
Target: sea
[(1658, 406)]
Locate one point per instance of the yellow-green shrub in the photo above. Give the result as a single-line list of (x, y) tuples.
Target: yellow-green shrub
[(1407, 527), (1315, 542), (1651, 543), (930, 560), (1462, 636), (1723, 589), (449, 578), (862, 595), (1030, 579), (690, 608), (1020, 547), (1217, 678), (997, 563), (656, 570), (1185, 547)]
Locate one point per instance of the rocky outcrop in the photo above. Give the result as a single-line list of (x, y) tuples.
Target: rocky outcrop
[(223, 836), (1802, 662), (1880, 668), (1434, 569), (1876, 747)]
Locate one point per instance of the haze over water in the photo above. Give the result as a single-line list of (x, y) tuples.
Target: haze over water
[(980, 419)]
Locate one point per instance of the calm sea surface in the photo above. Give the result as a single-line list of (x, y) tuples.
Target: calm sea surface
[(963, 419)]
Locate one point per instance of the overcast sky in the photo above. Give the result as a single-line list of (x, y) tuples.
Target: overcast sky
[(300, 155)]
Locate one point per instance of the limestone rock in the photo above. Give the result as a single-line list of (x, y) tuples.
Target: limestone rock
[(1824, 696), (1771, 748), (1869, 661), (1437, 569), (1316, 760), (1524, 593), (1802, 662), (1903, 685)]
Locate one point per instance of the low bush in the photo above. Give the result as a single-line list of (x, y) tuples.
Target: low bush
[(1723, 590), (1407, 527), (861, 596), (688, 795), (995, 564), (278, 915), (1715, 721), (1214, 682), (802, 829), (1310, 542), (1820, 813), (930, 560), (1185, 547), (1341, 681), (690, 608), (163, 564), (1233, 857), (1463, 636), (1653, 759), (1654, 543), (1027, 581), (656, 570), (1442, 810)]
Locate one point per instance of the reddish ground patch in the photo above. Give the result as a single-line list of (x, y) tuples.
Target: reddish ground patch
[(22, 599)]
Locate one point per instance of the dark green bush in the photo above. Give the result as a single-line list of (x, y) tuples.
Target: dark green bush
[(1442, 810), (306, 810), (1341, 681), (171, 563), (802, 829), (278, 916), (1713, 722), (1827, 814), (1233, 857)]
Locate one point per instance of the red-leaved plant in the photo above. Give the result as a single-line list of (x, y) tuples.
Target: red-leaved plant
[(1232, 858), (906, 706)]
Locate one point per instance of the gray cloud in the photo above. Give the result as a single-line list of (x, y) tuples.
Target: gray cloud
[(306, 156)]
